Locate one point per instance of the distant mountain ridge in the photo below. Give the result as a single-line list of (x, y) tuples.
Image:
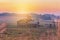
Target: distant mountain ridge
[(44, 16), (7, 14), (49, 17)]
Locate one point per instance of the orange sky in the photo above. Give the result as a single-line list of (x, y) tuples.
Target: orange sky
[(29, 6)]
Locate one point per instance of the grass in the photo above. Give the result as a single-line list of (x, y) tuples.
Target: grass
[(35, 32)]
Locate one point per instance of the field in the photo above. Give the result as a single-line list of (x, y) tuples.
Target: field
[(30, 32)]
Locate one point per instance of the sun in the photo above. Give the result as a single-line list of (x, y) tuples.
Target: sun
[(23, 7), (24, 10)]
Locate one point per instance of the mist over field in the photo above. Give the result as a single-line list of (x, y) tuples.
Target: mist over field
[(11, 17)]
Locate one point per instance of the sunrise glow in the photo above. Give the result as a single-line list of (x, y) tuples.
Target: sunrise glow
[(27, 6)]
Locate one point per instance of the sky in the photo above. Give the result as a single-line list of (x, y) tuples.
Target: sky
[(27, 6)]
